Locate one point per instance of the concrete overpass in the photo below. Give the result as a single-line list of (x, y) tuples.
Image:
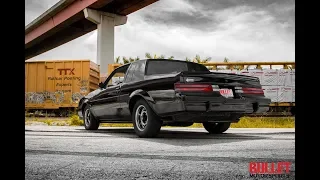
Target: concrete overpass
[(70, 19)]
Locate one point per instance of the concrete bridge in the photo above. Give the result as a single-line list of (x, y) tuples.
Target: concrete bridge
[(70, 19)]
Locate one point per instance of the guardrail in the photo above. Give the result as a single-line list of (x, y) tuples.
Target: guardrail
[(241, 65)]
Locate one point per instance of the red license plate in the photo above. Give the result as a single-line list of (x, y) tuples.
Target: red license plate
[(226, 93)]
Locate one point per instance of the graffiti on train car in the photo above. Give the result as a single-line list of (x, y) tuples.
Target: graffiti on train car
[(41, 97), (36, 98), (57, 97), (83, 85), (63, 88), (76, 97)]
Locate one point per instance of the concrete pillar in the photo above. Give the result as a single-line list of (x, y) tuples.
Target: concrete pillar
[(105, 42)]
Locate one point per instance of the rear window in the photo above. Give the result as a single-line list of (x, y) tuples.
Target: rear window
[(169, 67), (197, 67)]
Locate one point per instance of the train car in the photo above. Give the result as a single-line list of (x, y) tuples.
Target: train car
[(54, 87), (277, 80)]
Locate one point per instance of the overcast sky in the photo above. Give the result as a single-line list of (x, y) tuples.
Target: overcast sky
[(241, 30)]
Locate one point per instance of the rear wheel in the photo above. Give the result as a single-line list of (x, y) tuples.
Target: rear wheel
[(90, 123), (216, 128), (146, 123)]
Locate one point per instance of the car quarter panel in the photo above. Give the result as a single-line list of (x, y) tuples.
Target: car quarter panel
[(150, 90), (105, 105)]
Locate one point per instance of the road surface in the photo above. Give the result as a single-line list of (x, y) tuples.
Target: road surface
[(62, 152)]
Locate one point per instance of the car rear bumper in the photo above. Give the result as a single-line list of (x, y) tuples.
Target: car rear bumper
[(212, 107), (258, 105)]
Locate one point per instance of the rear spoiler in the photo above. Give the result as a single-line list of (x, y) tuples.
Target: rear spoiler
[(220, 75)]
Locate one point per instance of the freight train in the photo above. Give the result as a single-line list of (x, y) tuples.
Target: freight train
[(53, 88)]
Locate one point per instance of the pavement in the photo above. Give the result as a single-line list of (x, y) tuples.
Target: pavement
[(63, 152)]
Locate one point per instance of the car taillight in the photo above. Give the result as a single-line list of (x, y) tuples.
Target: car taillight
[(191, 87), (249, 90)]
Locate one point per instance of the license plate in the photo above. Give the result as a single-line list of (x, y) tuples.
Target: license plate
[(226, 93)]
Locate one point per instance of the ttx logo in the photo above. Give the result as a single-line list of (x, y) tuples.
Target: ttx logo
[(66, 71)]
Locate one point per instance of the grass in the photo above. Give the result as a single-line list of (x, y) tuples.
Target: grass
[(266, 122), (259, 122), (245, 122), (73, 120)]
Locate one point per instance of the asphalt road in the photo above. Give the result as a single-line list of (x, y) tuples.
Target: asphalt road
[(53, 152)]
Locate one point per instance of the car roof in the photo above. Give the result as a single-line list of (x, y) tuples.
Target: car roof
[(128, 64)]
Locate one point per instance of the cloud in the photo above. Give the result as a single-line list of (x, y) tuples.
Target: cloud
[(34, 8), (240, 30)]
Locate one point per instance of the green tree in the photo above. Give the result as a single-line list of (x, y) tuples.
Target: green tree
[(171, 58), (197, 59), (131, 59), (236, 67), (188, 59), (226, 60), (125, 60), (118, 60), (155, 56)]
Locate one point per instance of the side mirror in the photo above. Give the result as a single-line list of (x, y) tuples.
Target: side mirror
[(101, 85)]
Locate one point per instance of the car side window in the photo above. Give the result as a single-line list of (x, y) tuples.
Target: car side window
[(129, 72), (136, 72), (117, 77)]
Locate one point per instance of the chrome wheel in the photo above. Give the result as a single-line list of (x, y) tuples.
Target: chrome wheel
[(87, 117), (141, 117)]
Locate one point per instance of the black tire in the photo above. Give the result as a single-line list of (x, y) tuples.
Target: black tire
[(145, 128), (90, 123), (216, 128)]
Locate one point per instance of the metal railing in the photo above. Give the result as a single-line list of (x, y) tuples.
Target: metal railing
[(245, 65)]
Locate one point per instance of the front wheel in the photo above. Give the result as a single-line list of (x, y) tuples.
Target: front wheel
[(90, 123), (146, 123), (216, 128)]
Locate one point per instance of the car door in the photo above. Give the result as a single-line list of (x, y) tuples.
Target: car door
[(105, 105), (133, 79)]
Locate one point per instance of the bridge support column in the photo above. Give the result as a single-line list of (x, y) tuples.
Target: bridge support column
[(105, 42)]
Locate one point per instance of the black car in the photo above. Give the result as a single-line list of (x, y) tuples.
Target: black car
[(157, 92)]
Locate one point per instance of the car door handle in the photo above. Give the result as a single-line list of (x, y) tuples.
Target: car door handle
[(118, 87)]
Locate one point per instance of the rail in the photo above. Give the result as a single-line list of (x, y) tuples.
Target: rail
[(241, 65)]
